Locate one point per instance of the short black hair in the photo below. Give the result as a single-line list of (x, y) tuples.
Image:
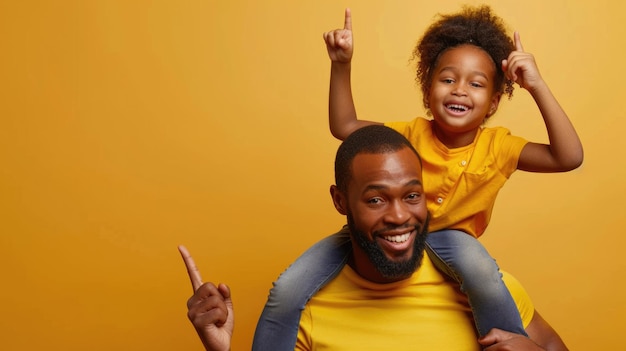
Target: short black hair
[(373, 139)]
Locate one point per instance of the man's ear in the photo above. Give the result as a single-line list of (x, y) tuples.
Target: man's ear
[(339, 200)]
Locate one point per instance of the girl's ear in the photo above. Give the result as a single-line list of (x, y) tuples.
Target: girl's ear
[(495, 101), (339, 200)]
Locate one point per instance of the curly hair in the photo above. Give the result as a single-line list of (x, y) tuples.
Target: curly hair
[(472, 25)]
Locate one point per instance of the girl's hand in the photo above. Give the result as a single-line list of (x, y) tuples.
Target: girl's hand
[(339, 41), (498, 339), (521, 68)]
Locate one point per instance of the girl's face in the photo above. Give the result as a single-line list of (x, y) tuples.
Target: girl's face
[(462, 94)]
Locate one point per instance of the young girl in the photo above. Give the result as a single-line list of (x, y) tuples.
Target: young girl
[(465, 62)]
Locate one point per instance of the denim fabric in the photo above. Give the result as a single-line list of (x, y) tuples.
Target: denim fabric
[(455, 253), (463, 258), (277, 329)]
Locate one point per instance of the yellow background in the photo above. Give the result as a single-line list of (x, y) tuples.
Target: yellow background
[(129, 127)]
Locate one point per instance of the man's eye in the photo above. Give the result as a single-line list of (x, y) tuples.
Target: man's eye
[(414, 197), (374, 201)]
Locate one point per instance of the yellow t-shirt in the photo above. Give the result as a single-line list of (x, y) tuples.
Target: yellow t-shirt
[(462, 184), (424, 312)]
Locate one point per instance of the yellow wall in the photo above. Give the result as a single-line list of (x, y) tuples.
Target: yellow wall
[(129, 127)]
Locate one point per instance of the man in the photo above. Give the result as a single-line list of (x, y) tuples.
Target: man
[(388, 296)]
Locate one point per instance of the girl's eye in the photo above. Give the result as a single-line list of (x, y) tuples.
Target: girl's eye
[(447, 80), (476, 85)]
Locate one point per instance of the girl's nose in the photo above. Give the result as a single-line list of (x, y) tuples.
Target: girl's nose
[(459, 90)]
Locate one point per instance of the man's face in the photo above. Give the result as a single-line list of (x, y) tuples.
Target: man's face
[(386, 209)]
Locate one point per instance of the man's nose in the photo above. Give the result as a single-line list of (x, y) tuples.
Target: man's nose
[(397, 213)]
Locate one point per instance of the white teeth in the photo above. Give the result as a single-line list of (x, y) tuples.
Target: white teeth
[(456, 107), (398, 238)]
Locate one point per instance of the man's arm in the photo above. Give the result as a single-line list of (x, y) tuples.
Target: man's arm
[(543, 334), (541, 337)]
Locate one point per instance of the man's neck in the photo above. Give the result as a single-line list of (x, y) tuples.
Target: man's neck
[(366, 269)]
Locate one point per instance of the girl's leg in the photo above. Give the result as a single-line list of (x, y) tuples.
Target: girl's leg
[(277, 329), (463, 258)]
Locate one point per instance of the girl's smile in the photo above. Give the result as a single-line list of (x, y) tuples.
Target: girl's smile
[(462, 94)]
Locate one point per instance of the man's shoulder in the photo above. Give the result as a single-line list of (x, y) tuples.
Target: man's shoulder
[(520, 296)]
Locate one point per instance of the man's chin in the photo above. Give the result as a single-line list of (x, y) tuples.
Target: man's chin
[(392, 261), (400, 258)]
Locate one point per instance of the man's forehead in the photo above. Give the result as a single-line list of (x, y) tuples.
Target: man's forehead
[(402, 163)]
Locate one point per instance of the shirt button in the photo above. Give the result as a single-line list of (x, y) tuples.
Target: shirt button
[(463, 163), (439, 200)]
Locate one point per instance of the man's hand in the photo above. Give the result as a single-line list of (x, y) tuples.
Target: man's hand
[(500, 340), (339, 41), (210, 309)]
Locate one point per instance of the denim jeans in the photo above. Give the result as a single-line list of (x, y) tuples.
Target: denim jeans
[(455, 253), (463, 258), (277, 329)]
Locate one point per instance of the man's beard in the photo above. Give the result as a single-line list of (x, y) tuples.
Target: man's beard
[(388, 268)]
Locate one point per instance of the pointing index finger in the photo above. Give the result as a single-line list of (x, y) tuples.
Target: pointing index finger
[(192, 269), (347, 24), (518, 42)]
